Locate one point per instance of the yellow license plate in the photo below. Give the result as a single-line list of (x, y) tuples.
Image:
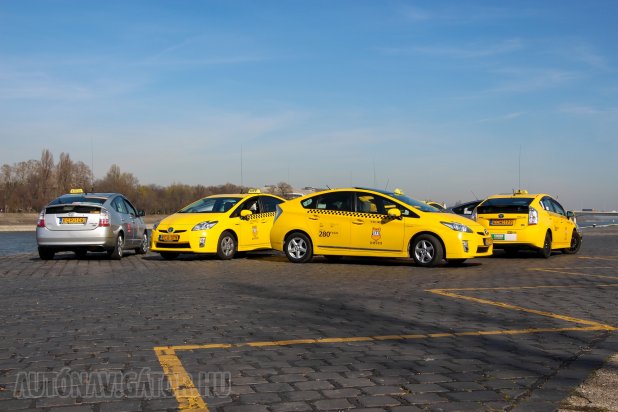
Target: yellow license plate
[(169, 238), (501, 222), (73, 220)]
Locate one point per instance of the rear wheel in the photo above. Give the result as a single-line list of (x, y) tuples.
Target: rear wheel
[(46, 254), (169, 255), (545, 251), (297, 248), (576, 243), (117, 252), (143, 247), (427, 251), (226, 249)]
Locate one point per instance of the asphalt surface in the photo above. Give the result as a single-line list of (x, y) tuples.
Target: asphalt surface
[(260, 334)]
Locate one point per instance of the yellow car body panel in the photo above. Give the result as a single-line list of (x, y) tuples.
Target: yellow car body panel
[(175, 234), (513, 228), (361, 230)]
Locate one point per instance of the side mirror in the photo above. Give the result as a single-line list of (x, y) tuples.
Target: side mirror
[(394, 213), (141, 213), (245, 213), (570, 214)]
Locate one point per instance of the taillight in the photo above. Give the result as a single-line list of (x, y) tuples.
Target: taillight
[(533, 216), (104, 218), (41, 221)]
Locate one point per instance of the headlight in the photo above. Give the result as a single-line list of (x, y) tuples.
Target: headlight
[(205, 225), (457, 227)]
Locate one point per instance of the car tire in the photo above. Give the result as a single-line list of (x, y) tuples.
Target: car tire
[(427, 251), (46, 254), (169, 255), (117, 252), (576, 243), (297, 248), (226, 247), (455, 262), (143, 247), (545, 251)]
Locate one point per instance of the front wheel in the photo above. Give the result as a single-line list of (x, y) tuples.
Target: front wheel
[(46, 254), (297, 248), (143, 247), (576, 243), (427, 251), (118, 250), (226, 249), (545, 251)]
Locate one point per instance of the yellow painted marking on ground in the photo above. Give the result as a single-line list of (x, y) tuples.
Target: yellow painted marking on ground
[(189, 399), (576, 274), (187, 395), (598, 257), (447, 292)]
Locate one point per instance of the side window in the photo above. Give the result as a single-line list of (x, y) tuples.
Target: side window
[(119, 205), (334, 201), (558, 207), (269, 203), (546, 204), (252, 204), (130, 209)]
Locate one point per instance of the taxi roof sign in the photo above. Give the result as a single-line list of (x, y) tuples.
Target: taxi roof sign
[(76, 191), (521, 192), (254, 191), (398, 192)]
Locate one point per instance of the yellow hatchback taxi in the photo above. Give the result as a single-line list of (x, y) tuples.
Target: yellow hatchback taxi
[(529, 221), (218, 224), (374, 223)]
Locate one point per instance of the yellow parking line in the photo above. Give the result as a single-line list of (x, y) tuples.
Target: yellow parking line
[(577, 273), (447, 292), (189, 399), (598, 257), (182, 386)]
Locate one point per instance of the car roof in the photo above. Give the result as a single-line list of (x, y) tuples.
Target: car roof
[(241, 195)]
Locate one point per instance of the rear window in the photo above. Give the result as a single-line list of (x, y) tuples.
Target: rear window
[(505, 205), (56, 210)]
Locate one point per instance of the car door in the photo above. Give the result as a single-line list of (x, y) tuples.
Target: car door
[(251, 229), (329, 220), (268, 207), (126, 221), (372, 230), (561, 222), (138, 227)]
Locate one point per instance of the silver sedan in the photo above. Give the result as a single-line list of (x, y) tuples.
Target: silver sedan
[(97, 222)]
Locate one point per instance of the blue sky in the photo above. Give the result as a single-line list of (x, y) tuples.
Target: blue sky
[(438, 98)]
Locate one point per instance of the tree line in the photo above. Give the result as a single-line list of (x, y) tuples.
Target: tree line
[(28, 186)]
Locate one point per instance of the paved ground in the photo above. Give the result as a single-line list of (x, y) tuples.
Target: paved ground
[(259, 333)]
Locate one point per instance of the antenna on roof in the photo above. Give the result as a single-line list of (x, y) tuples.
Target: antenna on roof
[(519, 169), (474, 194), (241, 180), (91, 164), (386, 186)]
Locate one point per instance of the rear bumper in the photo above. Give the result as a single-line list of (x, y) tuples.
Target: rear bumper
[(510, 239), (101, 238)]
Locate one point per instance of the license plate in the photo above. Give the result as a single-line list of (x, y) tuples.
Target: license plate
[(497, 237), (501, 222), (72, 220), (169, 238)]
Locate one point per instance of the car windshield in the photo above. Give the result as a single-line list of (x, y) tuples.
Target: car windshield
[(505, 205), (211, 205), (417, 204), (68, 199)]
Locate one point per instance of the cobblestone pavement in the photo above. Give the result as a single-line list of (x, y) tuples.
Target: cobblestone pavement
[(260, 334)]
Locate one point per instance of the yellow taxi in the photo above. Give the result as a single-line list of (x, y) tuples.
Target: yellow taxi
[(529, 221), (219, 224), (374, 223)]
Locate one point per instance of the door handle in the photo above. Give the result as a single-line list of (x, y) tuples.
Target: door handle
[(313, 217), (358, 222)]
